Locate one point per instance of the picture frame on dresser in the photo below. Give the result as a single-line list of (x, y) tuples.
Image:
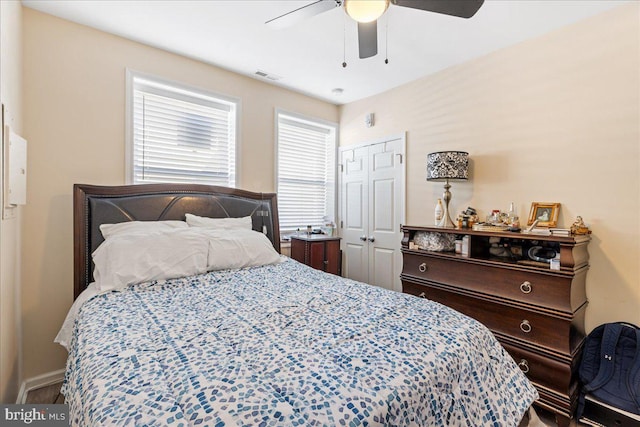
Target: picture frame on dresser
[(545, 213)]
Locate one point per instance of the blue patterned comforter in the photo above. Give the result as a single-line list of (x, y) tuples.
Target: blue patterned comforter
[(285, 345)]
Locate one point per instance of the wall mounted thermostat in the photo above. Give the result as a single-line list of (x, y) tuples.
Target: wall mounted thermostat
[(369, 120)]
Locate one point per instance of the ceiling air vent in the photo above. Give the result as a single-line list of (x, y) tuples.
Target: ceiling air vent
[(266, 75)]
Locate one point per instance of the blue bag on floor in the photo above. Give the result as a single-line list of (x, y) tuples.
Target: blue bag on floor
[(610, 367)]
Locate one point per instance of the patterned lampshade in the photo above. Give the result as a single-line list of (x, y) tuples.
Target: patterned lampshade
[(447, 165)]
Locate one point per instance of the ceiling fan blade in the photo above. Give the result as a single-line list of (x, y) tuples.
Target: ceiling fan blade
[(302, 13), (459, 8), (368, 39)]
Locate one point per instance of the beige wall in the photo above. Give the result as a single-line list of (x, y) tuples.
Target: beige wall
[(74, 95), (11, 97), (552, 119)]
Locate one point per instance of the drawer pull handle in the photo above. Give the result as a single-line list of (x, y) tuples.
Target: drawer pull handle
[(524, 366), (422, 295), (422, 267), (525, 326), (525, 287)]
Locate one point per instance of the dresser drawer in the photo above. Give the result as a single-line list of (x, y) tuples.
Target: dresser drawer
[(550, 373), (538, 328), (552, 290)]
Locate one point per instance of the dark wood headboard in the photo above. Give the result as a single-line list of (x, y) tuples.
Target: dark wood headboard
[(94, 205)]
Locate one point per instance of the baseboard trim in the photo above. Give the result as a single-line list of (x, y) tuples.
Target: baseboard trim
[(37, 382)]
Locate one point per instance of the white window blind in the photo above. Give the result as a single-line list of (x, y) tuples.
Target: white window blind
[(306, 172), (181, 135)]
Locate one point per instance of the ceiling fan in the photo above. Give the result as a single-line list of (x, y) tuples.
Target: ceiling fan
[(367, 12)]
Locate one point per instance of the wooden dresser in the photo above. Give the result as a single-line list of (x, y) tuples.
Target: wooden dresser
[(319, 251), (535, 312)]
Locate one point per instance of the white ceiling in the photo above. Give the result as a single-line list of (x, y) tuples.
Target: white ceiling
[(308, 56)]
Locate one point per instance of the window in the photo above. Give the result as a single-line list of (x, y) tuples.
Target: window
[(179, 134), (306, 169)]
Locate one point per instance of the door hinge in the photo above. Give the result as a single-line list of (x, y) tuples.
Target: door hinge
[(400, 155), (341, 224), (341, 167)]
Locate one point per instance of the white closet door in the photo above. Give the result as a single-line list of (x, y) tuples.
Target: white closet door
[(372, 209), (385, 210), (354, 197)]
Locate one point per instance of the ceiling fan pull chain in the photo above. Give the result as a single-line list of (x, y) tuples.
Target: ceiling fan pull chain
[(344, 42), (386, 39)]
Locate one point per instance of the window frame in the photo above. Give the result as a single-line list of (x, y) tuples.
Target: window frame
[(331, 204), (129, 128)]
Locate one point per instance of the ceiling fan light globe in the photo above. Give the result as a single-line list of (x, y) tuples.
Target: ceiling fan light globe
[(365, 10)]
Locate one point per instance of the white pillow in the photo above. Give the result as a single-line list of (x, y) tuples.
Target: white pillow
[(238, 249), (131, 227), (243, 223), (125, 259)]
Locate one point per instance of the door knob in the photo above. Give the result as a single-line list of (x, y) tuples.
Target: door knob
[(363, 238), (372, 239)]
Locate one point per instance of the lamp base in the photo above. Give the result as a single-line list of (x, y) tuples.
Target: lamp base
[(446, 221)]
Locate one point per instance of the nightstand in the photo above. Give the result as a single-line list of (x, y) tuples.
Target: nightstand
[(319, 251)]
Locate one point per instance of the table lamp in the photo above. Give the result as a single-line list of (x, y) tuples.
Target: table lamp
[(443, 166)]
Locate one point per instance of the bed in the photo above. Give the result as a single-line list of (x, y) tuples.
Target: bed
[(269, 344)]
